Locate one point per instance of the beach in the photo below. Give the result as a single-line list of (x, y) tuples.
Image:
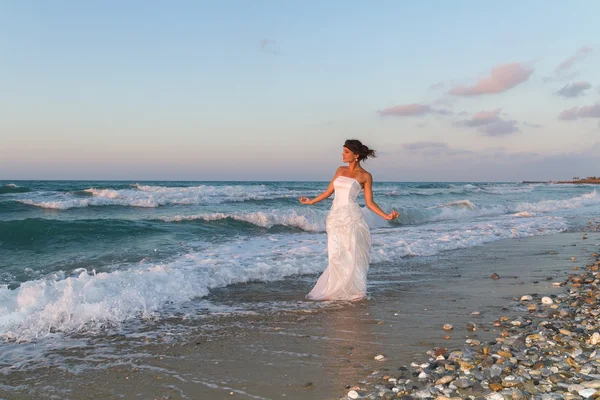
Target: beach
[(310, 353)]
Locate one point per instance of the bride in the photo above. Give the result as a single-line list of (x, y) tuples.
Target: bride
[(348, 236)]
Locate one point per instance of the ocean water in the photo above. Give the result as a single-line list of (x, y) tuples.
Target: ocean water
[(83, 258)]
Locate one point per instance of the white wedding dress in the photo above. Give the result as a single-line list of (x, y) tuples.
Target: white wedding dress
[(348, 247)]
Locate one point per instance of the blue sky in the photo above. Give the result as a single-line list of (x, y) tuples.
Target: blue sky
[(257, 90)]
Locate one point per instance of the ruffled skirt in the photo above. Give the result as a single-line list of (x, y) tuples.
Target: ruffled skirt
[(349, 253)]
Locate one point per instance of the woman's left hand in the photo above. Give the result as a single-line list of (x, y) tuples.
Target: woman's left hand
[(393, 215)]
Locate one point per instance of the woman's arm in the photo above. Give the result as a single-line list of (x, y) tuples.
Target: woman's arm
[(368, 188), (325, 194)]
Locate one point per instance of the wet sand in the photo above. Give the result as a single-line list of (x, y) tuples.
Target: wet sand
[(310, 353)]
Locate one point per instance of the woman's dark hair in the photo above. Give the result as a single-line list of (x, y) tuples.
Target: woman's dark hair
[(357, 147)]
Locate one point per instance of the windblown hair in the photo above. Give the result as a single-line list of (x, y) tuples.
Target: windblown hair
[(359, 149)]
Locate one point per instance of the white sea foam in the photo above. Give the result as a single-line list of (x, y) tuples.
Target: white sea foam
[(502, 190), (309, 220), (87, 301), (460, 204), (585, 200), (314, 220), (426, 240), (524, 214), (156, 196)]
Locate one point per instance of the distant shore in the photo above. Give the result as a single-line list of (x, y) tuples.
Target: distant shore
[(579, 181)]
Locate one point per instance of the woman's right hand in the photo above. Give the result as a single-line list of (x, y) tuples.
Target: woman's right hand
[(304, 200)]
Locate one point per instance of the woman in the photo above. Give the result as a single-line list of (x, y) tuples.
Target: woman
[(348, 236)]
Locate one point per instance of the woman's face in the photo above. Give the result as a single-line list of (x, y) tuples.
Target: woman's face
[(348, 155)]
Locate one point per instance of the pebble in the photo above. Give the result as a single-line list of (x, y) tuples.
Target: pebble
[(587, 392), (444, 379), (547, 300), (380, 357), (526, 298), (353, 394), (448, 327), (463, 383)]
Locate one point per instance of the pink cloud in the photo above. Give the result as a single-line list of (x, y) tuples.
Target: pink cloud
[(425, 145), (569, 62), (437, 86), (408, 110), (484, 117), (564, 70), (490, 123), (589, 111), (434, 148), (501, 78), (570, 114), (574, 89)]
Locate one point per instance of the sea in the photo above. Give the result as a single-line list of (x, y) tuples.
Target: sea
[(89, 258)]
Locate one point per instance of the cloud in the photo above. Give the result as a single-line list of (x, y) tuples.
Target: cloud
[(564, 70), (574, 113), (490, 123), (503, 164), (569, 114), (445, 101), (437, 86), (434, 148), (574, 89), (569, 62), (409, 110), (501, 78), (425, 145), (269, 47), (532, 125)]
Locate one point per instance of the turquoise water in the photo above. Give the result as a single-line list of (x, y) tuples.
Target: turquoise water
[(78, 256)]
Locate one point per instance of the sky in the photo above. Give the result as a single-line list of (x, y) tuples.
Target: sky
[(270, 90)]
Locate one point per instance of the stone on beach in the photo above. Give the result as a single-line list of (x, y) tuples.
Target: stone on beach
[(547, 300), (587, 392), (444, 379)]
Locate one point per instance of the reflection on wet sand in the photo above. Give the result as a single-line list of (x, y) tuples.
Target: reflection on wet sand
[(350, 344)]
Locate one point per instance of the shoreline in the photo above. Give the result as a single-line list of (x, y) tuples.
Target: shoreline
[(308, 353)]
